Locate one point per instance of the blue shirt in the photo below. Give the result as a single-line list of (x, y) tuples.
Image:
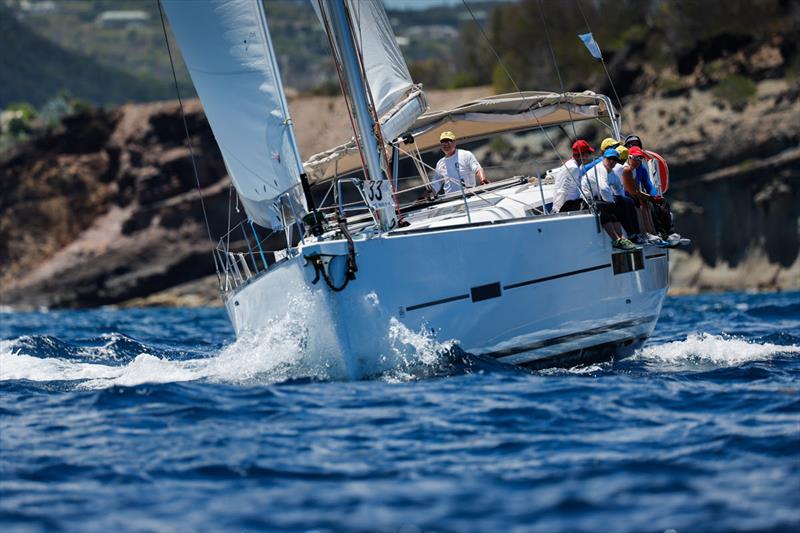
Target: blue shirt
[(586, 167), (643, 180)]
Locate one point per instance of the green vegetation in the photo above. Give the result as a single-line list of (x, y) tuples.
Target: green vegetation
[(501, 146), (20, 121), (735, 89), (35, 70), (671, 35), (68, 48)]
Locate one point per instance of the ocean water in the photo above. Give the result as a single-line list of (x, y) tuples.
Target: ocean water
[(159, 420)]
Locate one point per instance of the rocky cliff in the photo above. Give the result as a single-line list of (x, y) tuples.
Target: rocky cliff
[(105, 209)]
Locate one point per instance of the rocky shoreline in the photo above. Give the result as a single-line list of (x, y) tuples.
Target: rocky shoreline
[(105, 210)]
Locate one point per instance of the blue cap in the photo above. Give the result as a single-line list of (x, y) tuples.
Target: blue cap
[(611, 152)]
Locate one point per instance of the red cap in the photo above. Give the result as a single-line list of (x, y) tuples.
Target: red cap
[(635, 151), (581, 147)]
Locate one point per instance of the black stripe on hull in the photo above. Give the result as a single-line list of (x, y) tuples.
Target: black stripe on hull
[(437, 302), (598, 353), (557, 276), (571, 337), (496, 290)]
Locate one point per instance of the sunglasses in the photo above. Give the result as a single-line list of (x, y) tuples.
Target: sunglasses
[(635, 158), (446, 141)]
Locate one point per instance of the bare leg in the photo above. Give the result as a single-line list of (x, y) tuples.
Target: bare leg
[(613, 230), (645, 219)]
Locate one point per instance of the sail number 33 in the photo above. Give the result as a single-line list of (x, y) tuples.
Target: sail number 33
[(379, 198)]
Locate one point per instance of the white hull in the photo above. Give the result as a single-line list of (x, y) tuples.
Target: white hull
[(536, 292)]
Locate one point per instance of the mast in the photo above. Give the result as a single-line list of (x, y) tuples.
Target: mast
[(342, 34)]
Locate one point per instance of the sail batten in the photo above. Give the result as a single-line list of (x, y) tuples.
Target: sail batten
[(228, 52)]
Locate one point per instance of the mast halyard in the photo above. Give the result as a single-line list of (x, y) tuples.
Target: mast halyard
[(343, 38)]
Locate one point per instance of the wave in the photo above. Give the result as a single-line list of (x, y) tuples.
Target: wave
[(282, 351), (719, 350)]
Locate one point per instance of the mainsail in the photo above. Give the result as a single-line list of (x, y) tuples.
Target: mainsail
[(398, 101), (228, 50)]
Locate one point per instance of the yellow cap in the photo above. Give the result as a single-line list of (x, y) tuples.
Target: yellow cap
[(447, 135), (609, 142), (623, 152)]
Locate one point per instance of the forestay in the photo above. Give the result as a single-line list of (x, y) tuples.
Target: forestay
[(398, 101), (228, 50)]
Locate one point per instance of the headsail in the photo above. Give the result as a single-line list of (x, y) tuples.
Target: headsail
[(228, 50), (398, 101)]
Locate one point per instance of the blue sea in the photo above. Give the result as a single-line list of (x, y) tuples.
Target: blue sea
[(159, 420)]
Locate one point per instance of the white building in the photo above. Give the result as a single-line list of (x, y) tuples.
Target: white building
[(122, 19)]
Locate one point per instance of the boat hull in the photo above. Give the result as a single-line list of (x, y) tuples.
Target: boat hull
[(547, 291)]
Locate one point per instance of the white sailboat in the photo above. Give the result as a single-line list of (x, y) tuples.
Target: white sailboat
[(490, 268)]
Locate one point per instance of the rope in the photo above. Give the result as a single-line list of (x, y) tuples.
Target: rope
[(189, 141)]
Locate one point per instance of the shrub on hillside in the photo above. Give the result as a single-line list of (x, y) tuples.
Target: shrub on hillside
[(735, 89)]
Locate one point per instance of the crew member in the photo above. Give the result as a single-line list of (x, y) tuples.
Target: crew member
[(567, 178), (594, 187), (457, 169)]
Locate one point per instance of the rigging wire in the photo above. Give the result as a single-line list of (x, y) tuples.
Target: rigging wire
[(228, 235), (500, 62), (514, 83), (188, 140), (555, 65), (371, 105), (602, 61)]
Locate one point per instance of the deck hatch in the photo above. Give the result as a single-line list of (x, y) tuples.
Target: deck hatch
[(485, 292)]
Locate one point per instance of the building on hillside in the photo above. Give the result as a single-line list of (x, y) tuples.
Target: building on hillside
[(122, 19)]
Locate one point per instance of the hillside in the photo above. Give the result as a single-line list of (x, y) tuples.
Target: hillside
[(34, 70), (81, 54), (104, 210)]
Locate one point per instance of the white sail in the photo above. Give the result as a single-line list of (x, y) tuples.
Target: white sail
[(398, 101), (228, 50)]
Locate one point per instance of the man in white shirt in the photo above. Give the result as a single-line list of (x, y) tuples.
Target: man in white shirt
[(594, 182), (594, 185), (568, 176), (457, 169)]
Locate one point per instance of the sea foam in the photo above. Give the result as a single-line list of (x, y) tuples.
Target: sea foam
[(284, 349), (718, 350)]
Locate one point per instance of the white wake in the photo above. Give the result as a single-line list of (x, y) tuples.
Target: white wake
[(704, 349), (281, 351)]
